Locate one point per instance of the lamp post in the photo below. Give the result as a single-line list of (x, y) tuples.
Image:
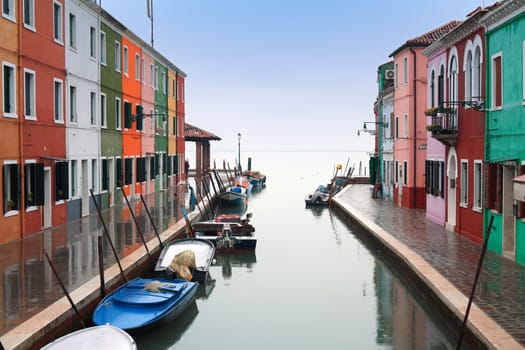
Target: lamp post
[(239, 148)]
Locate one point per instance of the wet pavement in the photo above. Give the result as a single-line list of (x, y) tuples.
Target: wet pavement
[(500, 291)]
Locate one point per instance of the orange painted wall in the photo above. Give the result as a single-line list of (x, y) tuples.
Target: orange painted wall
[(131, 92), (10, 140)]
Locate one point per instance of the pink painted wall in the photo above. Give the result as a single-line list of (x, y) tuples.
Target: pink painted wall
[(436, 206), (148, 101)]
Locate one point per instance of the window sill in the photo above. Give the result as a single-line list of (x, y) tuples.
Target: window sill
[(463, 205), (11, 213), (477, 210)]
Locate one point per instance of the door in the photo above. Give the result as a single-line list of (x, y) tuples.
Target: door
[(451, 192), (85, 188), (47, 214), (509, 223)]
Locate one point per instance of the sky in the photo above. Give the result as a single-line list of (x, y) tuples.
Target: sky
[(289, 75)]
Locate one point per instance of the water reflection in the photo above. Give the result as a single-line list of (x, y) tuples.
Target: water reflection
[(167, 335), (228, 260)]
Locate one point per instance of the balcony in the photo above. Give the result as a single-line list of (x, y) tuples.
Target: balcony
[(444, 126)]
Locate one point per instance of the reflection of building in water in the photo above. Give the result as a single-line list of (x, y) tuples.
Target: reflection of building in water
[(401, 323)]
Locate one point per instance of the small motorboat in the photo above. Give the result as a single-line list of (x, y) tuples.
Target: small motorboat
[(227, 235), (321, 196), (233, 196), (144, 303), (203, 251), (96, 337)]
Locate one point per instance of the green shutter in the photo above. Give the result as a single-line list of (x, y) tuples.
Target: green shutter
[(127, 115)]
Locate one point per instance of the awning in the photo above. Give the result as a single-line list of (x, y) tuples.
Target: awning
[(56, 159), (519, 187)]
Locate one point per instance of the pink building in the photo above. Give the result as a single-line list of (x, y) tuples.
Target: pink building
[(410, 134)]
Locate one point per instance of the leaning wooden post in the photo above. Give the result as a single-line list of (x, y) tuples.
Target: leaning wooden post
[(101, 267), (151, 220)]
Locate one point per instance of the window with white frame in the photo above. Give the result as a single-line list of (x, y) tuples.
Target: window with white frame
[(163, 82), (152, 121), (73, 116), (125, 60), (432, 87), (478, 184), (8, 9), (93, 107), (405, 126), (151, 75), (58, 92), (476, 72), (9, 89), (11, 186), (464, 183), (396, 71), (523, 65), (29, 94), (143, 71), (57, 22), (92, 42), (103, 110), (29, 14), (137, 67), (496, 87), (453, 79), (405, 70), (405, 172), (34, 184), (72, 31), (117, 56), (173, 84), (468, 76), (118, 113), (156, 79), (103, 48)]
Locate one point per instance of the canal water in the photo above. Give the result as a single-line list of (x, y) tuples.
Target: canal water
[(310, 284)]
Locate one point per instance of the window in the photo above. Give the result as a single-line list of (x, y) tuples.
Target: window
[(468, 77), (156, 78), (137, 67), (103, 109), (103, 48), (73, 116), (476, 72), (118, 114), (72, 31), (405, 70), (93, 110), (128, 171), (464, 183), (117, 56), (141, 169), (94, 175), (9, 89), (397, 174), (478, 183), (139, 117), (433, 89), (496, 88), (494, 186), (152, 121), (73, 178), (61, 181), (405, 172), (173, 84), (453, 79), (405, 126), (92, 42), (441, 85), (58, 101), (397, 127), (182, 90), (151, 76), (128, 118), (34, 184), (435, 177), (29, 13), (11, 174), (125, 60), (57, 22), (152, 167), (118, 172), (8, 9), (105, 175), (29, 94), (164, 83)]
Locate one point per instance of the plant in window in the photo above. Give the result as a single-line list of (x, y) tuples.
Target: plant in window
[(10, 204), (434, 128), (30, 198), (432, 112)]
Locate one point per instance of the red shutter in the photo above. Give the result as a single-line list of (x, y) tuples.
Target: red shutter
[(497, 82), (521, 204), (490, 185), (498, 204)]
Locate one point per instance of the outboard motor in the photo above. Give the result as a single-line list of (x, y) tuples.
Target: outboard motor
[(226, 240)]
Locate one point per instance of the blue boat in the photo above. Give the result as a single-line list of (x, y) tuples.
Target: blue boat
[(144, 303), (234, 196)]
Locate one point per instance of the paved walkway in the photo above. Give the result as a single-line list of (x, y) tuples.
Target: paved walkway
[(501, 285)]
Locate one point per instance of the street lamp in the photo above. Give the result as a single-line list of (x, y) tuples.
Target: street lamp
[(239, 148)]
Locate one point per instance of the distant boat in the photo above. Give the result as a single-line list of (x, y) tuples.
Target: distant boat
[(228, 232), (96, 337), (203, 250), (233, 196), (144, 303)]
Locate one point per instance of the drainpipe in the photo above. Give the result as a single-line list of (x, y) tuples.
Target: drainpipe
[(20, 109), (414, 198)]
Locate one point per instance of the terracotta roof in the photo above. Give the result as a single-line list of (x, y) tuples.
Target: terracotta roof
[(193, 133), (429, 37)]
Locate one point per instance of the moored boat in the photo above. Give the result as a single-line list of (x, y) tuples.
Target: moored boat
[(144, 303), (202, 249), (227, 235), (235, 195), (96, 337)]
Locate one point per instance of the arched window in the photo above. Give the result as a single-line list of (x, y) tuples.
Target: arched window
[(433, 89), (441, 85), (476, 71), (453, 80), (468, 76)]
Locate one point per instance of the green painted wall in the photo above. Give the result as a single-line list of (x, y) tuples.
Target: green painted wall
[(111, 85), (505, 128)]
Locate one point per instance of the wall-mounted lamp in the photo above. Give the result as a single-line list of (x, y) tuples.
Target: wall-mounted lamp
[(383, 124)]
